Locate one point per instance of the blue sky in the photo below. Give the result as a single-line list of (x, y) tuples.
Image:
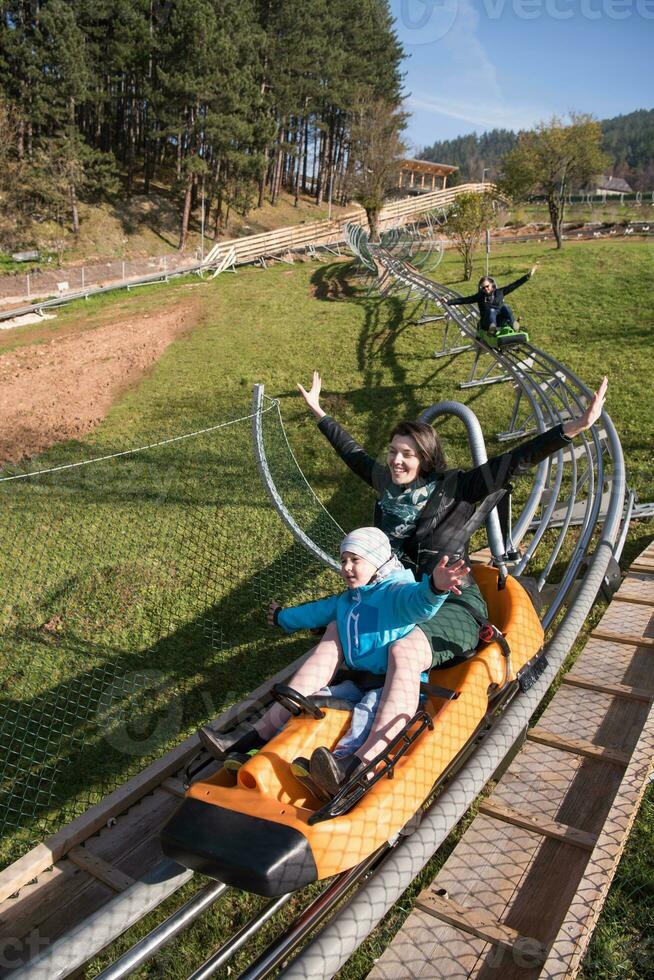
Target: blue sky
[(475, 65)]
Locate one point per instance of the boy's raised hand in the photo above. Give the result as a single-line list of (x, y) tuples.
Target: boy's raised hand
[(448, 578), (272, 608)]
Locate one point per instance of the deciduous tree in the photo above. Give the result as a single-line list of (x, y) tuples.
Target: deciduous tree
[(468, 217), (554, 159)]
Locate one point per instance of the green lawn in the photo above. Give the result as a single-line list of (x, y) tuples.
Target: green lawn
[(609, 213), (137, 586)]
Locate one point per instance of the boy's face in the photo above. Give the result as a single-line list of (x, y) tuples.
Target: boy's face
[(356, 571)]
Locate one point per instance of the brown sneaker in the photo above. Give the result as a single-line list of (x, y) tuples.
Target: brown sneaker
[(331, 772), (241, 739)]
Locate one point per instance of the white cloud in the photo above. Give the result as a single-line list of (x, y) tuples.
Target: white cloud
[(466, 84), (487, 115)]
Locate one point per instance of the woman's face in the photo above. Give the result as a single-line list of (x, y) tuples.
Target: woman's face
[(403, 460)]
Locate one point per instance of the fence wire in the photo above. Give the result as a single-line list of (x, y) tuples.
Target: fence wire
[(132, 609)]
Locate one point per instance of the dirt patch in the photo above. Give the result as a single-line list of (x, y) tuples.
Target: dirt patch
[(63, 389)]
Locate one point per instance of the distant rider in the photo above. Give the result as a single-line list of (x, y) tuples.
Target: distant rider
[(493, 311)]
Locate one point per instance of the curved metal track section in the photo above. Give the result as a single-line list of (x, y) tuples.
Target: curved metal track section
[(581, 488)]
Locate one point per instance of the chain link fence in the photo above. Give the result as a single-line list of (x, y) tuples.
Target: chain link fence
[(43, 283), (134, 590)]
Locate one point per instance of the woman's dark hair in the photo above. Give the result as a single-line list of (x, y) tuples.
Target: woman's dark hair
[(430, 452), (486, 279)]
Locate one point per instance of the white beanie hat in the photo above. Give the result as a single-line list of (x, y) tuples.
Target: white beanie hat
[(369, 543)]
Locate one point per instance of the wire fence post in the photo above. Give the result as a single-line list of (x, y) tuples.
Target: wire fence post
[(29, 294)]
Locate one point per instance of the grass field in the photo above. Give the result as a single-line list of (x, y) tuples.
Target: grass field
[(590, 305)]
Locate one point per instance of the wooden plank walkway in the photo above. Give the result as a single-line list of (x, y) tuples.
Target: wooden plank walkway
[(520, 895)]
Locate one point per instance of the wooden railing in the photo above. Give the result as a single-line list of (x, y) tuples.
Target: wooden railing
[(271, 243)]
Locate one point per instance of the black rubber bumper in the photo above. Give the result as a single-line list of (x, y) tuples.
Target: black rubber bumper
[(240, 850)]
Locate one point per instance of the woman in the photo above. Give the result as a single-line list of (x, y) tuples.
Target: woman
[(493, 311), (428, 512)]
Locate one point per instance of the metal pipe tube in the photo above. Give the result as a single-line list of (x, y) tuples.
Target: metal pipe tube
[(273, 493), (617, 552), (564, 527), (220, 957), (311, 917), (164, 933), (578, 554)]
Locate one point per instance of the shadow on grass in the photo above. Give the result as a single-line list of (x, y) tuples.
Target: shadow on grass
[(72, 742)]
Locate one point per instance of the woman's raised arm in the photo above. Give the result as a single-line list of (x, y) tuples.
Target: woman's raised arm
[(348, 449), (474, 485), (312, 396), (573, 427)]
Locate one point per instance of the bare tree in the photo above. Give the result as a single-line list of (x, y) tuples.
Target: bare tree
[(376, 150)]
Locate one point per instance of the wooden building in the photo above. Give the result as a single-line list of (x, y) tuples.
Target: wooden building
[(421, 176)]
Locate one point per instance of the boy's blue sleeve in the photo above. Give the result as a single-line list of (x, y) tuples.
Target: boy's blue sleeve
[(308, 615), (415, 602)]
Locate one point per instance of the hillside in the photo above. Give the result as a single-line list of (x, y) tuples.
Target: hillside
[(628, 140)]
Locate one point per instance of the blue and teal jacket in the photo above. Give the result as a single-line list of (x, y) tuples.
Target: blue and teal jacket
[(369, 618)]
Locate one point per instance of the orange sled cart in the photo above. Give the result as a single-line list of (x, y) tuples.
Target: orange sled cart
[(268, 834)]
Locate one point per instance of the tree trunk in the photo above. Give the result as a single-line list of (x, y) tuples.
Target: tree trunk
[(300, 153), (313, 162), (218, 220), (372, 215), (262, 180), (73, 209), (186, 214), (321, 168), (305, 162), (146, 167), (274, 182), (556, 219), (179, 156)]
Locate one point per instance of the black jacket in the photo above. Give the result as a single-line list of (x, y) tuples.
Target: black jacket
[(488, 301), (448, 519)]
